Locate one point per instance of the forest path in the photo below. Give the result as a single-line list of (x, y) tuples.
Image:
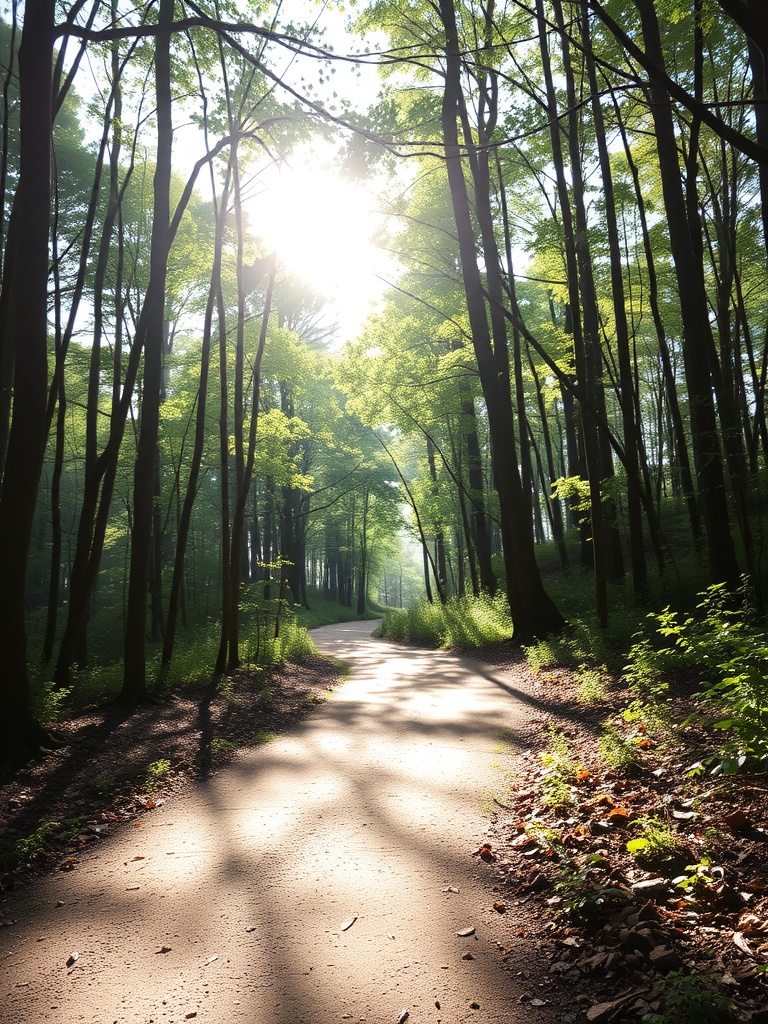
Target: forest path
[(229, 902)]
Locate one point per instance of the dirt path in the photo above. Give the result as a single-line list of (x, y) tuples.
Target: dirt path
[(230, 902)]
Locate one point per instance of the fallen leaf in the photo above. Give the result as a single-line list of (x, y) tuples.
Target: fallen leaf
[(742, 943), (736, 820), (348, 924), (500, 908), (538, 1002), (465, 933), (485, 853), (619, 816), (69, 864), (72, 958), (449, 888), (164, 949), (604, 1011)]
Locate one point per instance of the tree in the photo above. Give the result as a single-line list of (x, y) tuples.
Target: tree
[(24, 341)]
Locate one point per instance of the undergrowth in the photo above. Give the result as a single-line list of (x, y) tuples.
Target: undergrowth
[(464, 622)]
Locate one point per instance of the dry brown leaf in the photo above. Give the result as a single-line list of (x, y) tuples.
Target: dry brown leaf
[(737, 820)]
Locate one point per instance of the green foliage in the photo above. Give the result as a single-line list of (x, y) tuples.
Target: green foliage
[(322, 612), (588, 896), (617, 753), (16, 852), (464, 622), (559, 771), (592, 684), (728, 652), (696, 876), (689, 999), (657, 843), (156, 774)]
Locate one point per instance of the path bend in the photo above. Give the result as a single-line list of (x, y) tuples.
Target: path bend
[(367, 812)]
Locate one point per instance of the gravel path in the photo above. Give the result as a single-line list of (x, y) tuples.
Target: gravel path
[(320, 878)]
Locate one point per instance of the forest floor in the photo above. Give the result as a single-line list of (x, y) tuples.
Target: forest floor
[(608, 934)]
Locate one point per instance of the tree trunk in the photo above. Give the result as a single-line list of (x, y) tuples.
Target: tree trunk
[(134, 689), (697, 333), (533, 611), (583, 354), (21, 736)]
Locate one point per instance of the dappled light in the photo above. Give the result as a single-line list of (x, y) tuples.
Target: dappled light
[(370, 810)]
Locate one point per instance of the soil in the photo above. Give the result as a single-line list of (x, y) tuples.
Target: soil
[(102, 775), (617, 928), (602, 929)]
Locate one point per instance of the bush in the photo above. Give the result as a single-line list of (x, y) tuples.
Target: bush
[(728, 652)]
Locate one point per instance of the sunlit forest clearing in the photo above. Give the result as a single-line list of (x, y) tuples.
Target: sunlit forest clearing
[(371, 308), (448, 314)]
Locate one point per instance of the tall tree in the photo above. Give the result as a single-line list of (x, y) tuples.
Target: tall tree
[(24, 341)]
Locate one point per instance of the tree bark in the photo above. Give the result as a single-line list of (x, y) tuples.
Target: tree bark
[(134, 689), (21, 735), (533, 611), (697, 334)]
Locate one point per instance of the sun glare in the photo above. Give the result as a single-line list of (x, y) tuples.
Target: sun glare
[(323, 228)]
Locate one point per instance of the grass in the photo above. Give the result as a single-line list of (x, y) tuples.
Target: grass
[(16, 852), (156, 775), (193, 659), (465, 622)]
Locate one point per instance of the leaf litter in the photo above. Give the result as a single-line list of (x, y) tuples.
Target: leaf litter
[(608, 926)]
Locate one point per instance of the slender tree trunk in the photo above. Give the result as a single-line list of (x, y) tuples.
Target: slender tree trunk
[(631, 429), (177, 581), (134, 689), (585, 368), (678, 439), (697, 334)]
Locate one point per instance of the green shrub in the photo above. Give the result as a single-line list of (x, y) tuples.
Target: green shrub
[(617, 753), (689, 999), (657, 842), (560, 771), (587, 894), (729, 653)]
